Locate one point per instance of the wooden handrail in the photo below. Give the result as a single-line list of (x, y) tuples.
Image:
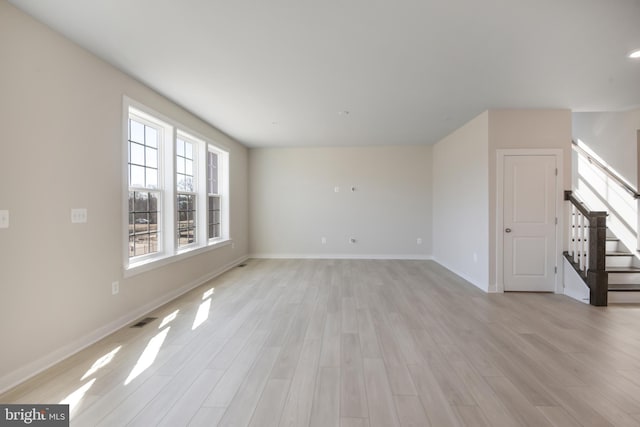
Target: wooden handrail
[(568, 195), (618, 179)]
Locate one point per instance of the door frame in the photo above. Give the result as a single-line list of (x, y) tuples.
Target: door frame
[(501, 154)]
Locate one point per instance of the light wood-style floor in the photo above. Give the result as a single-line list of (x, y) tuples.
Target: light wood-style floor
[(356, 343)]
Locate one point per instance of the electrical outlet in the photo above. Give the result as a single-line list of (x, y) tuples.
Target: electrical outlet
[(115, 287), (78, 216), (419, 241), (4, 219), (336, 189), (323, 240)]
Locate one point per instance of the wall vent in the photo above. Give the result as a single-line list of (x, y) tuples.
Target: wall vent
[(143, 322)]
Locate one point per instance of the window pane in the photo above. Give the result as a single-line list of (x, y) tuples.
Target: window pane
[(137, 176), (153, 221), (141, 222), (212, 173), (180, 165), (131, 224), (152, 137), (132, 246), (180, 148), (137, 154), (152, 157), (136, 131), (141, 202), (189, 167), (188, 147), (152, 178), (153, 202), (189, 183), (153, 242)]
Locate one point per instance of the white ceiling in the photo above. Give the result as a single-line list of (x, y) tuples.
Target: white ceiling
[(277, 73)]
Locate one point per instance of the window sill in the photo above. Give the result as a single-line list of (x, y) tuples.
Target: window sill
[(151, 264)]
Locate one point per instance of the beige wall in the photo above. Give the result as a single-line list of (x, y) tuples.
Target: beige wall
[(517, 129), (465, 184), (460, 201), (61, 148), (294, 205)]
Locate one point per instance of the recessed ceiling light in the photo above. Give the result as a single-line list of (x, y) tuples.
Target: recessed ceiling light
[(635, 54)]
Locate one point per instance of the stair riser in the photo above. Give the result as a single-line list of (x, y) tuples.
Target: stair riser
[(624, 278), (619, 261), (623, 297), (612, 245)]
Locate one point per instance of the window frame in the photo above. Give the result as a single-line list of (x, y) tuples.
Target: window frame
[(168, 248)]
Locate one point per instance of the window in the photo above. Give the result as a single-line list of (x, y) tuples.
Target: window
[(213, 196), (186, 190), (144, 192), (177, 189)]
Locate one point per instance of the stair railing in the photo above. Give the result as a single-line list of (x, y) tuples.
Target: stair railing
[(587, 248)]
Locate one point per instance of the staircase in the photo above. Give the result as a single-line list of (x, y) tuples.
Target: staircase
[(608, 268), (623, 269), (604, 260)]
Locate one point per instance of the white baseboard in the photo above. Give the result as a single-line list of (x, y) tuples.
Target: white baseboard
[(484, 287), (418, 257), (34, 368)]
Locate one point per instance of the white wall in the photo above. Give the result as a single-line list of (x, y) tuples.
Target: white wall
[(61, 148), (461, 201), (613, 137), (294, 205)]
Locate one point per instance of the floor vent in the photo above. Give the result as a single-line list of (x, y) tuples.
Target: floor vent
[(143, 322)]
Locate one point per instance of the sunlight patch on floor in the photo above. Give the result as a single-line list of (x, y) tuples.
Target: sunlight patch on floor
[(168, 318), (101, 362), (148, 356), (208, 293), (202, 314), (75, 398)]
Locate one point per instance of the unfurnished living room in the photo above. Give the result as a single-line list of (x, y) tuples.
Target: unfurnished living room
[(343, 213)]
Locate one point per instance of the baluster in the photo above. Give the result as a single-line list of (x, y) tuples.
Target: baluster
[(586, 245), (581, 245), (574, 233)]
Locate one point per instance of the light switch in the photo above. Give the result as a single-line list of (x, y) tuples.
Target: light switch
[(4, 219), (78, 216)]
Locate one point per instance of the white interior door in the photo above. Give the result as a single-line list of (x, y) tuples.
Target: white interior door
[(529, 217)]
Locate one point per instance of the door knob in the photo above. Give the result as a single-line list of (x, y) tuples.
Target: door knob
[(507, 230)]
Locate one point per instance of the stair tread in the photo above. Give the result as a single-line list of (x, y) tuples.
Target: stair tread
[(619, 253), (634, 287), (623, 269)]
